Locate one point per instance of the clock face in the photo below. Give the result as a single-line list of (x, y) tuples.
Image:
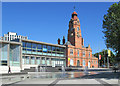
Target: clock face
[(71, 34), (77, 28)]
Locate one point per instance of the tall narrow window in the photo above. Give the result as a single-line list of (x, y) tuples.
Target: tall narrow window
[(89, 54), (78, 52), (77, 28), (71, 52), (83, 53)]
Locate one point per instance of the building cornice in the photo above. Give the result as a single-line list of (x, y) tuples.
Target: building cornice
[(39, 42), (11, 42)]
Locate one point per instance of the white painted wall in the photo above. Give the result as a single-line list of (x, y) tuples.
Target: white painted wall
[(4, 69)]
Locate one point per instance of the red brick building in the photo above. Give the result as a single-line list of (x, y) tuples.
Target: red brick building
[(76, 53)]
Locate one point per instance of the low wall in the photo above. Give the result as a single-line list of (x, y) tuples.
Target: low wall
[(28, 66)]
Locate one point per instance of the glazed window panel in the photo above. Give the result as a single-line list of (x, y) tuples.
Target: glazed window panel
[(23, 60), (49, 48), (23, 44), (48, 61), (29, 49), (57, 49), (53, 50), (44, 48), (62, 49), (34, 46), (43, 60), (14, 55), (39, 46), (38, 60), (4, 53), (28, 45), (32, 60), (27, 59)]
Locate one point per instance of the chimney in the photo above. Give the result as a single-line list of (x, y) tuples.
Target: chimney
[(63, 40), (59, 41)]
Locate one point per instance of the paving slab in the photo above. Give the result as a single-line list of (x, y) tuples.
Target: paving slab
[(111, 81), (37, 81), (78, 81)]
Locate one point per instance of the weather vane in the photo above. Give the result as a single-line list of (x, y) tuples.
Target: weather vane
[(74, 8)]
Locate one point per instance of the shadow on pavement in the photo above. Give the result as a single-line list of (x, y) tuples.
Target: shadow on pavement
[(107, 75)]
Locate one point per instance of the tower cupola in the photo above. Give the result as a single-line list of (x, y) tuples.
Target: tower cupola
[(74, 14)]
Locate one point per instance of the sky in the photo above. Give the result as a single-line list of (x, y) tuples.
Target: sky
[(48, 21)]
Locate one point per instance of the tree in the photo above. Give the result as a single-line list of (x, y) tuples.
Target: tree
[(103, 53), (111, 28)]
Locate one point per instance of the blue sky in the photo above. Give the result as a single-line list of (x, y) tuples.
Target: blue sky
[(46, 22)]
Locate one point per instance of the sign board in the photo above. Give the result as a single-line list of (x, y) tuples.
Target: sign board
[(109, 52), (68, 59)]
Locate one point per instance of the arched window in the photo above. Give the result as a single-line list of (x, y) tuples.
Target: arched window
[(71, 52), (77, 28)]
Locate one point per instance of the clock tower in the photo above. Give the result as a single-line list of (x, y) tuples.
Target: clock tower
[(74, 31), (76, 53)]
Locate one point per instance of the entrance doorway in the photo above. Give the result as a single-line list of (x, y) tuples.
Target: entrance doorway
[(78, 63), (89, 64)]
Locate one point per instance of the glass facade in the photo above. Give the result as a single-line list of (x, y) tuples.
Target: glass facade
[(9, 53), (4, 54), (40, 49), (14, 55)]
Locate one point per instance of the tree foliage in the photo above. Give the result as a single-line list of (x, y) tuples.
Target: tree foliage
[(111, 28), (102, 53)]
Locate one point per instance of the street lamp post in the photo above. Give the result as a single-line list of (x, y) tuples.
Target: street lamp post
[(104, 57), (107, 61)]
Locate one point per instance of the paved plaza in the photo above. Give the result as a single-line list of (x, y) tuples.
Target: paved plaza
[(59, 78)]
